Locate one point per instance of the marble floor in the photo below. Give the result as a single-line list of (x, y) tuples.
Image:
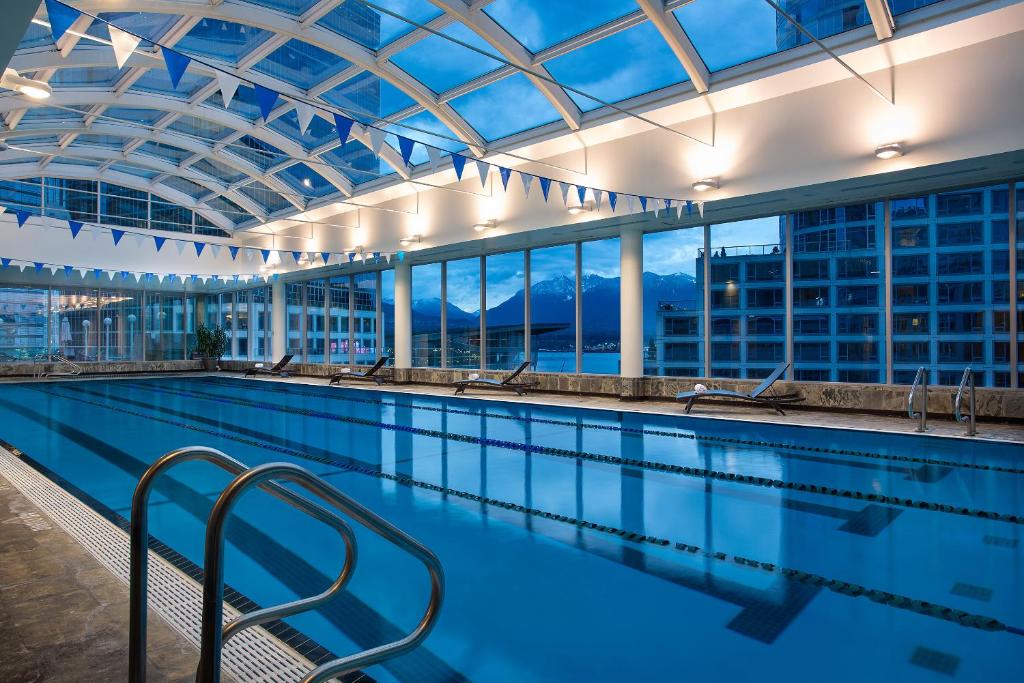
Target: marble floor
[(63, 615)]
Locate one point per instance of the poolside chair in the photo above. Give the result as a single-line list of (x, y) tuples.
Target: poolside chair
[(278, 370), (371, 374), (507, 384), (762, 395)]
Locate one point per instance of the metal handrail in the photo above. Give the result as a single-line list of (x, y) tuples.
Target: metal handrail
[(966, 382), (213, 579), (138, 597), (920, 380), (73, 369)]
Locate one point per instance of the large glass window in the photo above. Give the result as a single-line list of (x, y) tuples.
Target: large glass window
[(294, 317), (463, 313), (506, 311), (339, 295), (23, 319), (387, 301), (1019, 285), (365, 319), (748, 297), (260, 324), (600, 290), (315, 321), (164, 325), (74, 321), (553, 308), (674, 303), (949, 286), (243, 343), (426, 315)]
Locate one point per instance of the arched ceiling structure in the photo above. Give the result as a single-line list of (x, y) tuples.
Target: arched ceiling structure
[(380, 62)]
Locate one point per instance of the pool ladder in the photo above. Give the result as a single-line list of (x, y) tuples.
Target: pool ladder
[(920, 380), (214, 632), (69, 369), (966, 384)]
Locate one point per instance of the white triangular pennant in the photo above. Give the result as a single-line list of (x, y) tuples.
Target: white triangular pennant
[(138, 277), (700, 207), (597, 199), (215, 248), (180, 246), (305, 114), (250, 254), (54, 269), (527, 182), (203, 278), (434, 155), (228, 85), (139, 239), (629, 203), (21, 267), (376, 139), (484, 169), (565, 192), (124, 44), (111, 274), (83, 271), (387, 257), (679, 209)]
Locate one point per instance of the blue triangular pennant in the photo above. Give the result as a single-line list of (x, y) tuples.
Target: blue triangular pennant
[(61, 18), (38, 265), (149, 276), (689, 207), (170, 277), (117, 235), (459, 162), (68, 270), (234, 278), (582, 192), (5, 262), (76, 227), (199, 247), (159, 242), (545, 186), (401, 256), (193, 277), (265, 253), (176, 64), (22, 217), (277, 276), (97, 273), (668, 206), (505, 174), (643, 203), (612, 199), (343, 125), (405, 146), (296, 255), (266, 98), (325, 255), (351, 257), (234, 252), (124, 274)]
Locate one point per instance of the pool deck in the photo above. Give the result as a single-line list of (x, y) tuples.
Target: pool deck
[(937, 425), (64, 615)]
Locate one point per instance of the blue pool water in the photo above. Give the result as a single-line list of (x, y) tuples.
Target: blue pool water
[(536, 598)]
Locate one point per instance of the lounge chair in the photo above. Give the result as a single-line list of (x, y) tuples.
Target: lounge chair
[(509, 383), (762, 395), (370, 374), (277, 370)]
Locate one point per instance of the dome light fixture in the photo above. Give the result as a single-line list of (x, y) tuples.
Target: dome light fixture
[(37, 90), (705, 184), (489, 224), (582, 208), (891, 150), (411, 239)]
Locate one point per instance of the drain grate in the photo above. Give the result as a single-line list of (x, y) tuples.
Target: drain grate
[(252, 655)]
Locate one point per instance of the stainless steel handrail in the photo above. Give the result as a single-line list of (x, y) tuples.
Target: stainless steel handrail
[(73, 369), (213, 579), (966, 382), (920, 380), (140, 558)]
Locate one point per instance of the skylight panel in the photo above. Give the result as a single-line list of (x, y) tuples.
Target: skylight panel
[(221, 40), (318, 133), (108, 141), (197, 127), (623, 65), (306, 182), (152, 27), (505, 107), (373, 29), (903, 6), (264, 196), (419, 128), (261, 154), (166, 152), (356, 161), (134, 171), (187, 186), (367, 97), (301, 64), (293, 7), (157, 82), (539, 24), (218, 170), (85, 77), (145, 117), (442, 64)]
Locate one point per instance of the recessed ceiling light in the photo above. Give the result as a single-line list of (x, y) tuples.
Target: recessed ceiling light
[(890, 150), (585, 206), (706, 184), (307, 182), (411, 239), (486, 225)]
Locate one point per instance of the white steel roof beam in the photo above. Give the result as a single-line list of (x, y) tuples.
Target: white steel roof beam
[(678, 41), (881, 18)]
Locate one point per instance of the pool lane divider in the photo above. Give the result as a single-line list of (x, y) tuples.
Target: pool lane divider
[(849, 589), (654, 466), (334, 394)]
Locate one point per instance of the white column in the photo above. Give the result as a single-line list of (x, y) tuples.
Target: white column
[(278, 320), (403, 315), (631, 306)]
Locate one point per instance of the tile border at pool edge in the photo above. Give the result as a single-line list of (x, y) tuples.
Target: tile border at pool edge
[(634, 407), (293, 651)]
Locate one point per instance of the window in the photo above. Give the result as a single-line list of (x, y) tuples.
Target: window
[(121, 318), (910, 266), (960, 263), (364, 319), (857, 296), (765, 298), (316, 298), (960, 292), (338, 346), (463, 313), (962, 322), (903, 295), (857, 268), (553, 308), (294, 316), (911, 352), (810, 325), (73, 317), (506, 311), (426, 315), (810, 269), (953, 234), (600, 285), (909, 236), (242, 324), (387, 305), (910, 323)]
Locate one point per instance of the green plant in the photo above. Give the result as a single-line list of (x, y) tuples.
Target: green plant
[(211, 342)]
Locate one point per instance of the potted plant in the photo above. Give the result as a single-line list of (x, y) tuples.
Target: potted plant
[(211, 344)]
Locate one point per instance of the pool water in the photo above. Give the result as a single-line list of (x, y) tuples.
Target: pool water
[(579, 544)]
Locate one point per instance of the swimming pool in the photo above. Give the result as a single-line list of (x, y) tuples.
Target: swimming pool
[(579, 544)]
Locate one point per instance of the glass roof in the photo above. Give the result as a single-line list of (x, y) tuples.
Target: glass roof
[(399, 78)]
